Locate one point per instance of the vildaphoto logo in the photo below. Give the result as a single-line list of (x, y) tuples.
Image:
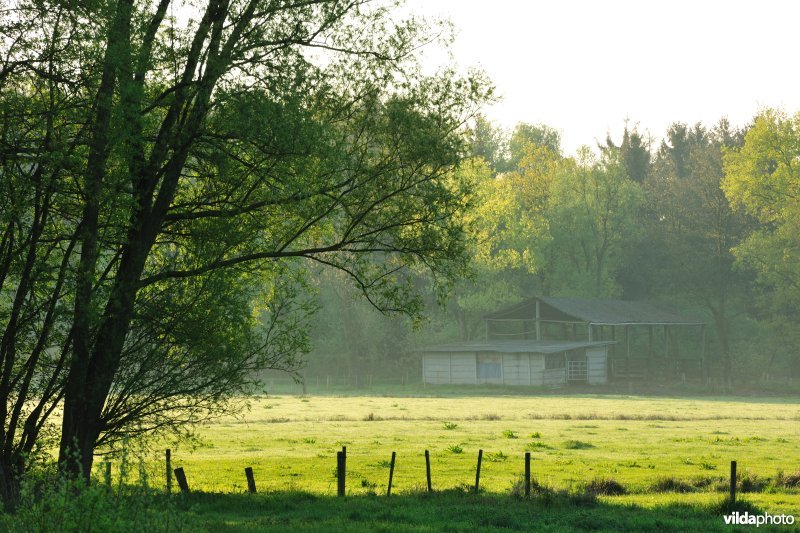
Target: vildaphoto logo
[(747, 519)]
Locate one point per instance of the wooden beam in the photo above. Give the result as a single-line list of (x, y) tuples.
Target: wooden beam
[(703, 369), (538, 318)]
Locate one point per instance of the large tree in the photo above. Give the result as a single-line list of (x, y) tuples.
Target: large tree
[(160, 160), (691, 229)]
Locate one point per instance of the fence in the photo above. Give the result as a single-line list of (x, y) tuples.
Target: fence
[(341, 475)]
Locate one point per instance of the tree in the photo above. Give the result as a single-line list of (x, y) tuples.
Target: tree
[(635, 154), (526, 134), (155, 171), (691, 229), (592, 212), (487, 141), (763, 177)]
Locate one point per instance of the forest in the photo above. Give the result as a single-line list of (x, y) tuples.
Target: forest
[(699, 218)]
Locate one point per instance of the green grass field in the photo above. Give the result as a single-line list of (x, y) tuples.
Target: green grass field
[(670, 456), (600, 463), (291, 442)]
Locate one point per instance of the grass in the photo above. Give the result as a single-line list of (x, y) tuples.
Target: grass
[(640, 464), (290, 442), (454, 510)]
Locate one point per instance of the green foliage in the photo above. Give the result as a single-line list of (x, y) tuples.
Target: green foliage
[(762, 177), (171, 185), (63, 505)]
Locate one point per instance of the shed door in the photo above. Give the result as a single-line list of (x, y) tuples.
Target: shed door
[(490, 368)]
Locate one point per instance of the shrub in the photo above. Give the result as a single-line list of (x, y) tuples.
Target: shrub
[(509, 434), (788, 481), (450, 425), (64, 505), (577, 445), (455, 448), (671, 484), (605, 487), (749, 482), (533, 446)]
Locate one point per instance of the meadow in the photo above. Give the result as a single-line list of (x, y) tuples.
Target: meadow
[(600, 462), (291, 442)]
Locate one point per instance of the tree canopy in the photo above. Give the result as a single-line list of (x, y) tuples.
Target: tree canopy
[(170, 170)]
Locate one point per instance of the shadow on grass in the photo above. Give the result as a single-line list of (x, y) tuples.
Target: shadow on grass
[(443, 511)]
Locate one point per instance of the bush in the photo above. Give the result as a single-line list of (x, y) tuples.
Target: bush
[(671, 484), (788, 481), (605, 487), (65, 505), (577, 445), (749, 482)]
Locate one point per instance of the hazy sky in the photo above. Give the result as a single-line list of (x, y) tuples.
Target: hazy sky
[(584, 67)]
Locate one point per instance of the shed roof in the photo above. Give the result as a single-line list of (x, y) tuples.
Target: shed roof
[(594, 311), (514, 346)]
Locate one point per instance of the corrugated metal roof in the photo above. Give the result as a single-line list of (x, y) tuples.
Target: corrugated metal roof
[(513, 346), (595, 311)]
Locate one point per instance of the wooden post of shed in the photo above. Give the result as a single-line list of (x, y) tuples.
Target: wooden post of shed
[(649, 351), (703, 366), (589, 331), (538, 322)]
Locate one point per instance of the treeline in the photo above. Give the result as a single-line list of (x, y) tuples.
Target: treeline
[(704, 220)]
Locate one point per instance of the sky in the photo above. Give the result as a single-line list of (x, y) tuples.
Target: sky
[(585, 67)]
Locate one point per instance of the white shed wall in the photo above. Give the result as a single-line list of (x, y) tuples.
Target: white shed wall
[(516, 368), (436, 368), (463, 368), (597, 365)]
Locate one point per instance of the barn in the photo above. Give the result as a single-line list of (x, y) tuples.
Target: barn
[(650, 341), (516, 362)]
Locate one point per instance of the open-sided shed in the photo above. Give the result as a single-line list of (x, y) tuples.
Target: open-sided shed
[(647, 336), (516, 362)]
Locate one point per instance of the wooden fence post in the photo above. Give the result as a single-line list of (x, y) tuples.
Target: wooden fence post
[(169, 470), (527, 474), (340, 467), (478, 471), (251, 481), (733, 482), (180, 477), (428, 469), (391, 475)]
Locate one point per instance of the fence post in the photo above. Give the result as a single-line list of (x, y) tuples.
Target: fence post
[(527, 474), (478, 471), (251, 481), (180, 477), (340, 466), (733, 482), (428, 469), (391, 475), (169, 470)]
